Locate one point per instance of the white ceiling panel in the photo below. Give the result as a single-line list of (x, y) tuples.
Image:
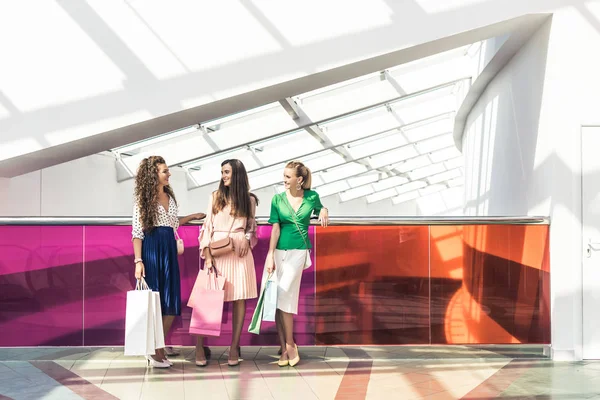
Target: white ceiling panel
[(359, 126), (346, 99), (341, 172), (445, 154), (426, 171), (412, 164), (389, 183), (411, 186), (367, 147), (444, 176), (436, 143), (432, 189), (289, 146), (403, 198), (355, 193), (332, 188), (363, 179), (392, 156), (378, 196)]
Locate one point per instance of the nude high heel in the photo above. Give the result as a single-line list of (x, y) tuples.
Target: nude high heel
[(203, 363), (283, 363), (296, 359)]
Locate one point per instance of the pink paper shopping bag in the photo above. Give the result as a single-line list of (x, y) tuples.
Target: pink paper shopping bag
[(206, 301)]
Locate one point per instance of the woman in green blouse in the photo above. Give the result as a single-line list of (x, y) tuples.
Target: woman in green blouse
[(289, 249)]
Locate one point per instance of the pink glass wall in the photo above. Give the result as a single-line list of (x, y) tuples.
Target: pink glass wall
[(67, 286)]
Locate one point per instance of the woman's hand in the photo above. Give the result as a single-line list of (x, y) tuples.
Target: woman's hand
[(140, 271), (244, 247), (208, 262), (269, 264), (191, 217), (324, 217)]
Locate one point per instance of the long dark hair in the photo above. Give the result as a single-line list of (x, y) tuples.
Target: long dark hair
[(237, 194), (146, 190)]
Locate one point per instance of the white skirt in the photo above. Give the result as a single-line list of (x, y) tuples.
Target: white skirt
[(289, 265)]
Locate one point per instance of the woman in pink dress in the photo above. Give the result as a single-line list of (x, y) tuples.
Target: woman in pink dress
[(231, 212)]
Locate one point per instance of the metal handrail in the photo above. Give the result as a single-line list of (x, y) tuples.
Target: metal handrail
[(262, 220)]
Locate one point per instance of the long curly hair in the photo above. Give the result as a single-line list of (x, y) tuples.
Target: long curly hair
[(146, 191), (237, 193)]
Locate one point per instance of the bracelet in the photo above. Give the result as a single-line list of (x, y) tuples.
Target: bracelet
[(138, 260)]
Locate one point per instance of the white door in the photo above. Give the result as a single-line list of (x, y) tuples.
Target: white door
[(590, 200)]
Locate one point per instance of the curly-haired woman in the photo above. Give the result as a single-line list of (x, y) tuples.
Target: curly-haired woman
[(154, 224)]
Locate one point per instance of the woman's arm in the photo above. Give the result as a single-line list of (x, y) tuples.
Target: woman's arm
[(205, 235), (139, 265), (191, 217), (269, 262), (137, 236), (321, 211), (250, 231)]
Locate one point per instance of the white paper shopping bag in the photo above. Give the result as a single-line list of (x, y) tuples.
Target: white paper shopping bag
[(159, 334), (270, 300), (139, 321)]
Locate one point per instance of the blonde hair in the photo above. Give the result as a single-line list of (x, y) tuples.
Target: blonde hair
[(301, 171)]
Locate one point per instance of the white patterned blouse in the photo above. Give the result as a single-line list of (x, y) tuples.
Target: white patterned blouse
[(165, 218)]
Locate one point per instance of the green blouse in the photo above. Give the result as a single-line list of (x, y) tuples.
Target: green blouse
[(281, 213)]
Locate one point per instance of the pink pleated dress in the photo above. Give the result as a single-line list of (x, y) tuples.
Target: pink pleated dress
[(239, 272)]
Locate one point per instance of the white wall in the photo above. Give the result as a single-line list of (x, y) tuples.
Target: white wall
[(522, 150), (89, 187), (73, 69)]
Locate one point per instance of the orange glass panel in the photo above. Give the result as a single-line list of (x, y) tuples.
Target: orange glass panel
[(372, 285), (502, 295)]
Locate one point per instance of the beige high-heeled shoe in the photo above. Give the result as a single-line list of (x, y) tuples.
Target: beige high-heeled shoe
[(283, 363), (202, 363), (296, 359)]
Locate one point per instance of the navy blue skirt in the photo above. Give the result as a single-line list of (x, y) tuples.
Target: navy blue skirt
[(159, 254)]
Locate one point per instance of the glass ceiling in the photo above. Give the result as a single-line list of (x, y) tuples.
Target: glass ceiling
[(386, 135)]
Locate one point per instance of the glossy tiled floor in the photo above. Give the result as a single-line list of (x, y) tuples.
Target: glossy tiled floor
[(447, 372)]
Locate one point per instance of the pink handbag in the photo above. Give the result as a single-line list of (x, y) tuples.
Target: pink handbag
[(180, 245), (206, 301)]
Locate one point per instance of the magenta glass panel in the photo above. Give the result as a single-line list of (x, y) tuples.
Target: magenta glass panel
[(41, 286), (109, 275)]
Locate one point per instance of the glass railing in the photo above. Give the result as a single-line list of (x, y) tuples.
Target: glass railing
[(63, 282)]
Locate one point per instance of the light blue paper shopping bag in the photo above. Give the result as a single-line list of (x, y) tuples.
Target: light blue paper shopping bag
[(270, 301)]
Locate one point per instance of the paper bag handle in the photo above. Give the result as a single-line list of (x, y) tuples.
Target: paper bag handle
[(141, 284)]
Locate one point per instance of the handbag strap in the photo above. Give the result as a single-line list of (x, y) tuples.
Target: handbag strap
[(212, 222), (295, 220)]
